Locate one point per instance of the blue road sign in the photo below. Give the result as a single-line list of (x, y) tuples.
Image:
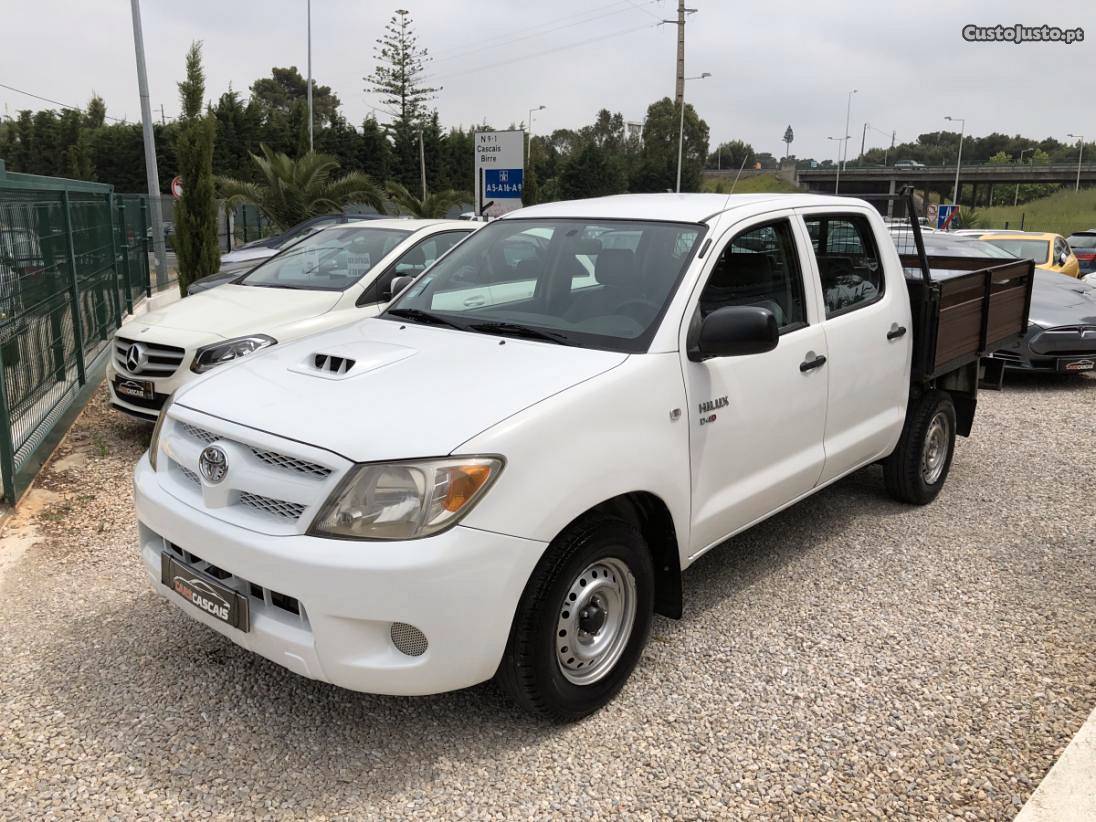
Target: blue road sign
[(502, 183), (946, 215)]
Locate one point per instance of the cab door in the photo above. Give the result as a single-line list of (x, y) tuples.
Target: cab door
[(756, 422), (866, 319)]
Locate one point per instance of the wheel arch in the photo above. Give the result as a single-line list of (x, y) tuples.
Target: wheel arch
[(651, 515)]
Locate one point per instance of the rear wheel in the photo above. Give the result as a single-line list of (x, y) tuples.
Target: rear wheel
[(582, 622), (917, 469)]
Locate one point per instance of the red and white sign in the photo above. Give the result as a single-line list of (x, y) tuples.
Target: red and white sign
[(177, 187)]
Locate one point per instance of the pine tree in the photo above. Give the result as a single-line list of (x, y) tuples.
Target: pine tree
[(196, 212), (398, 78)]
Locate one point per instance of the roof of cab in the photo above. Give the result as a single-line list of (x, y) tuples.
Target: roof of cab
[(689, 208)]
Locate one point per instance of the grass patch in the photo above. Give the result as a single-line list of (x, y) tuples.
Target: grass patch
[(1061, 213), (761, 184)]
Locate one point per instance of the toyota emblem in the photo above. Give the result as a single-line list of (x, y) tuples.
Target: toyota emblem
[(136, 358), (213, 463)]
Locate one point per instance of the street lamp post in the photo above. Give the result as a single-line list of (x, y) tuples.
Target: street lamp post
[(842, 140), (959, 160), (530, 121), (681, 128), (848, 113), (1016, 196), (1080, 153)]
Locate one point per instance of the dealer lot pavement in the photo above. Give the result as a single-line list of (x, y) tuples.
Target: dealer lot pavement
[(850, 655)]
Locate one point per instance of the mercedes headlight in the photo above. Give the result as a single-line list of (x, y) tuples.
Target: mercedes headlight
[(405, 500), (210, 356), (154, 443)]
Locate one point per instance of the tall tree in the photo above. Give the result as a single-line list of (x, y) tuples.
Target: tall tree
[(658, 170), (286, 87), (196, 212), (96, 113), (399, 65), (789, 136)]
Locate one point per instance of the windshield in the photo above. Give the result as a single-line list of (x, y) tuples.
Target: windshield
[(593, 283), (1038, 250), (329, 260), (1082, 241)]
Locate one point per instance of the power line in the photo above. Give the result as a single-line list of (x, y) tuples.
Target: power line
[(543, 52), (554, 26), (54, 102)]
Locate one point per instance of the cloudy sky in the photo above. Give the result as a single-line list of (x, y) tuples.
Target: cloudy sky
[(771, 64)]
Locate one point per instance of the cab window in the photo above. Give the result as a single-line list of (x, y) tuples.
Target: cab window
[(759, 267), (848, 261)]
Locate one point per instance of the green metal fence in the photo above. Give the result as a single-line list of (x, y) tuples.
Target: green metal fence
[(73, 260)]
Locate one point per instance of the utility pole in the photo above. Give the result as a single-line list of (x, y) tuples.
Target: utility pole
[(309, 91), (152, 174), (679, 90), (163, 117), (848, 113), (422, 164), (863, 138), (1080, 154)]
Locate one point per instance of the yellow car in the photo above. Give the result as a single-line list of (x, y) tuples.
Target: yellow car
[(1050, 251)]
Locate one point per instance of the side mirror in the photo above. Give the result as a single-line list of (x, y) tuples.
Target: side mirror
[(1063, 258), (733, 331), (398, 285)]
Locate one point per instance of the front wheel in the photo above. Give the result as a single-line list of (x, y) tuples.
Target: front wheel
[(917, 469), (582, 622)]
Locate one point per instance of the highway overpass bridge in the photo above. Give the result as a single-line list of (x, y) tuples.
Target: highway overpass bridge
[(977, 183)]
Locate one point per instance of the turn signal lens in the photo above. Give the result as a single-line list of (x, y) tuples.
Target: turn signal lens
[(464, 482)]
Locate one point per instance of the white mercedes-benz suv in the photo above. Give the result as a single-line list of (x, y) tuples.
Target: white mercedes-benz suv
[(333, 277)]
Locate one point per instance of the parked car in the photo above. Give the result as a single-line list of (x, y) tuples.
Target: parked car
[(505, 473), (1061, 336), (332, 277), (1083, 244), (908, 164), (949, 244), (1050, 252), (247, 256)]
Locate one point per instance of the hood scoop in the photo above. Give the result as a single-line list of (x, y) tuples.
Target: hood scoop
[(351, 360)]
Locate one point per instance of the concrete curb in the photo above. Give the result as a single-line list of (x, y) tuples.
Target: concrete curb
[(1068, 791)]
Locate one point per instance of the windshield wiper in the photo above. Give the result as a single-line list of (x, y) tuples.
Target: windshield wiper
[(518, 330), (423, 316)]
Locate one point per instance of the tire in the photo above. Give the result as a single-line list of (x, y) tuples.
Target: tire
[(599, 561), (919, 466)]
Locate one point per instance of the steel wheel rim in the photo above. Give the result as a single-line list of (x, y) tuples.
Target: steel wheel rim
[(595, 621), (934, 454)]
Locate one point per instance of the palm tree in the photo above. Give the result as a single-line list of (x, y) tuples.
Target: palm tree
[(433, 207), (290, 191)]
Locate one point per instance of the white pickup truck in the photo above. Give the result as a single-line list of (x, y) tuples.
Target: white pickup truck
[(505, 473)]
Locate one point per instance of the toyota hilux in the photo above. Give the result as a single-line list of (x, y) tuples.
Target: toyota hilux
[(506, 472)]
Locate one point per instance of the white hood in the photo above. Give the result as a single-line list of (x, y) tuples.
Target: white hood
[(415, 391), (234, 310)]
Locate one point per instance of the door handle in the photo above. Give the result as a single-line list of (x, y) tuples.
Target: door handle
[(896, 332), (810, 365), (475, 302)]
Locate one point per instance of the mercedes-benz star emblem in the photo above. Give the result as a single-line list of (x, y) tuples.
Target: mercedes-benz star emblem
[(136, 358), (213, 463)]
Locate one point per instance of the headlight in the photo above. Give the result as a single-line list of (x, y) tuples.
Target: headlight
[(211, 356), (154, 443), (405, 500)]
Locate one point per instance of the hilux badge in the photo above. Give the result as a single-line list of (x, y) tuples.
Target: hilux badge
[(708, 406)]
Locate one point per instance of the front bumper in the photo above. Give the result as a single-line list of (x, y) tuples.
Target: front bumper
[(148, 410), (460, 588), (1065, 349)]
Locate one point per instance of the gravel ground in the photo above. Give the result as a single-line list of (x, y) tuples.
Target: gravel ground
[(850, 657)]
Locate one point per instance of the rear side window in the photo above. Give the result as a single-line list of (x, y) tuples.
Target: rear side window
[(1083, 241), (848, 261), (759, 267)]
